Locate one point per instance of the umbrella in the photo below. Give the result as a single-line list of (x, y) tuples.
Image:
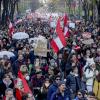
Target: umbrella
[(6, 53), (20, 36)]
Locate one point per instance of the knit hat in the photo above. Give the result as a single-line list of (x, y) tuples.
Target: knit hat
[(61, 82), (38, 71)]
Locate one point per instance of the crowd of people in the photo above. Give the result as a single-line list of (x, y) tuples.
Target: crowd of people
[(71, 74)]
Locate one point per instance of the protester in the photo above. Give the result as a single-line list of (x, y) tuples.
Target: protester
[(6, 83), (73, 81), (91, 96), (61, 93), (96, 86), (9, 94), (45, 88), (90, 74), (80, 95), (53, 87)]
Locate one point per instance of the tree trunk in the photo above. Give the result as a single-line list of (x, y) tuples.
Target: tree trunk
[(79, 9), (0, 9), (5, 13), (12, 5), (85, 11), (98, 8), (17, 7)]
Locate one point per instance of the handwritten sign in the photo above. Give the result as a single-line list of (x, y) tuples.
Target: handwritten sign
[(40, 48)]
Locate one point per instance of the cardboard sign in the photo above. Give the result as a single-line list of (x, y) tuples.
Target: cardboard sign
[(53, 24), (88, 41), (40, 47), (72, 25), (86, 35)]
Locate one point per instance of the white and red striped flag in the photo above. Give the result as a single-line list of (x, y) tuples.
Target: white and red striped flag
[(65, 18), (59, 29), (59, 42), (50, 19), (66, 30), (18, 21), (11, 29)]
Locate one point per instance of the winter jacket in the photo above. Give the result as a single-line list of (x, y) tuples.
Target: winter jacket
[(3, 87), (96, 88), (1, 72), (73, 82), (37, 82), (31, 57), (90, 75), (16, 66), (52, 89), (58, 96)]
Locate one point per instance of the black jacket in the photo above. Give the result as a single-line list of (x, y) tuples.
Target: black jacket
[(73, 82)]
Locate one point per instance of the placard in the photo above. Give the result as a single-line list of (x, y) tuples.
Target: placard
[(40, 49), (88, 41), (86, 35), (72, 25)]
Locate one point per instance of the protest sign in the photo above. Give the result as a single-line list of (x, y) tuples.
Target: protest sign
[(72, 25), (53, 24), (40, 47), (88, 41), (86, 35)]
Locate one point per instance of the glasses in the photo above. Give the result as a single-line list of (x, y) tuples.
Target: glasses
[(58, 79), (92, 97), (79, 94)]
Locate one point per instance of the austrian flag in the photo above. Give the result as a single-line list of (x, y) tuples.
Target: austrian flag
[(66, 32), (11, 29), (57, 44)]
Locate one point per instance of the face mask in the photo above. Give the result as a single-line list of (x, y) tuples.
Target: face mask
[(27, 78), (46, 84), (73, 51), (12, 50)]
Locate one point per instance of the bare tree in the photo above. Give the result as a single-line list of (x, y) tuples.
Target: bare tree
[(35, 4), (5, 13)]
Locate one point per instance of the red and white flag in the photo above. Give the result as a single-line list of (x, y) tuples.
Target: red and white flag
[(25, 86), (60, 33), (11, 29), (59, 42), (18, 21), (66, 30), (24, 82), (59, 29), (50, 19), (65, 20)]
